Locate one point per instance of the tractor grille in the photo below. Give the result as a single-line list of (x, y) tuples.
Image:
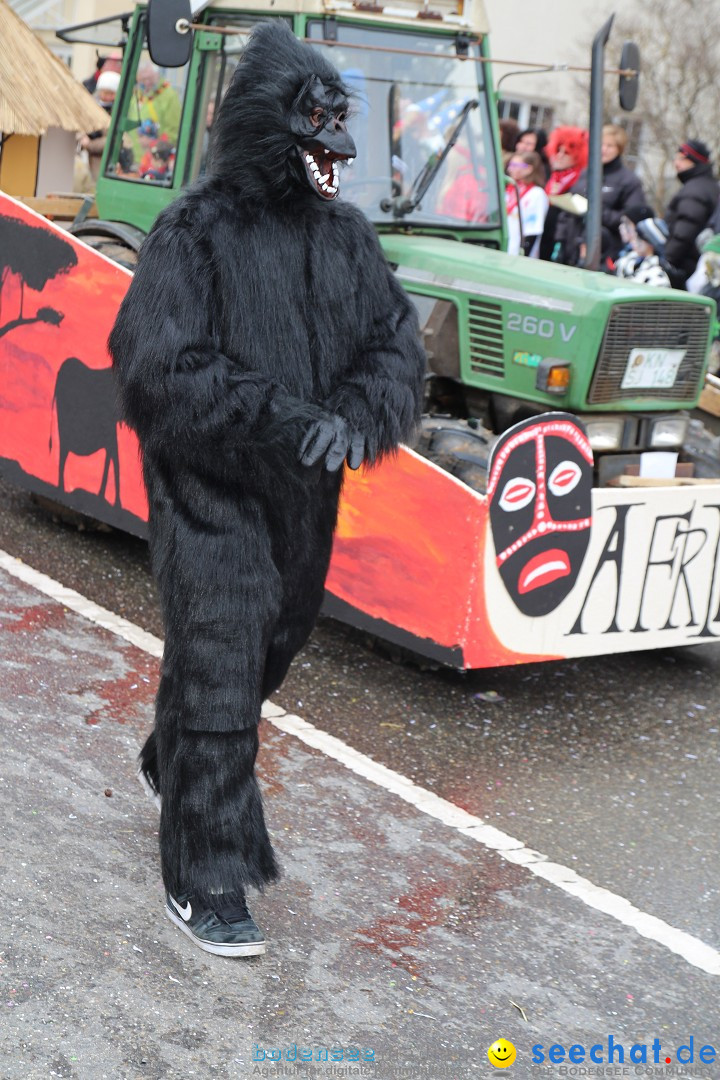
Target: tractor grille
[(485, 333), (650, 325)]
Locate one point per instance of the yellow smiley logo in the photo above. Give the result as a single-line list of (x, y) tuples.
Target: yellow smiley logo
[(501, 1054)]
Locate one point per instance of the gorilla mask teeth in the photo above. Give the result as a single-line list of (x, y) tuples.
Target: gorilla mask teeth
[(320, 169)]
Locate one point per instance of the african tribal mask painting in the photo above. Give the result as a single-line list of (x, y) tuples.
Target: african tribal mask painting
[(540, 492)]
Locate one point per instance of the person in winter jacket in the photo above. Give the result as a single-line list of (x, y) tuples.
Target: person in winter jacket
[(690, 209), (567, 151), (107, 86), (709, 262), (643, 259), (621, 188), (156, 100)]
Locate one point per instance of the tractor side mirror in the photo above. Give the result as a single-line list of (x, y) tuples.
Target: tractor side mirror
[(628, 89), (168, 32)]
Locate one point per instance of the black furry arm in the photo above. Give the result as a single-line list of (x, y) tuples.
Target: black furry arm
[(381, 395), (178, 389)]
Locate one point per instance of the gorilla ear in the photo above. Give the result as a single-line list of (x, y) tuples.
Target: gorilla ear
[(299, 100)]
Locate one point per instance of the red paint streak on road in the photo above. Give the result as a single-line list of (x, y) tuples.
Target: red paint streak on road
[(126, 698), (403, 930), (31, 619)]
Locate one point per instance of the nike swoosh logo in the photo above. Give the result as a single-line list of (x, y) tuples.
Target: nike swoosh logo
[(185, 912)]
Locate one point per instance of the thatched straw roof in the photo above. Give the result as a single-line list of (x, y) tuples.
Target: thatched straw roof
[(36, 89)]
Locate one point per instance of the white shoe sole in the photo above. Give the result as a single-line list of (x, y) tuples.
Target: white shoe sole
[(148, 790), (254, 949)]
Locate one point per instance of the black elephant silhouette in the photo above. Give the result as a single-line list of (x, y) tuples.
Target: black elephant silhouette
[(87, 418)]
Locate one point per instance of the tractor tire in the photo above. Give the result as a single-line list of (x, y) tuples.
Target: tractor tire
[(114, 249), (462, 451), (64, 515)]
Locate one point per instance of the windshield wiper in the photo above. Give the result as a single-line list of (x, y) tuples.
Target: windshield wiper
[(405, 204)]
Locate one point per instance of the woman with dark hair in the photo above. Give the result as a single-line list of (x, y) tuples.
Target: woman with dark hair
[(534, 139), (526, 202), (508, 137)]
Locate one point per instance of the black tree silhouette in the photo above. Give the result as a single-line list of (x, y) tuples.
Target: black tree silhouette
[(36, 255)]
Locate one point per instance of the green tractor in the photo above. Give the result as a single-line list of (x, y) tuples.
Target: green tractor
[(507, 337)]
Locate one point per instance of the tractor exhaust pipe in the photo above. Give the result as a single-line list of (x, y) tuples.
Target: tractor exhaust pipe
[(594, 189)]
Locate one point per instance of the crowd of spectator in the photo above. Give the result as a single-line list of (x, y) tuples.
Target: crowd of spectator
[(546, 202), (546, 183), (147, 151)]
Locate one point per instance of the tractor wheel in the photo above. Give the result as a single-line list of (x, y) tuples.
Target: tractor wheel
[(65, 515), (114, 249), (399, 654), (462, 451)]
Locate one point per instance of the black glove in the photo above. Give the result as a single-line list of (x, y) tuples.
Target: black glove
[(356, 453), (328, 438)]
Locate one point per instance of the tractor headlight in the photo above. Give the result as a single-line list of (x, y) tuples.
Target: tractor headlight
[(604, 433), (668, 432)]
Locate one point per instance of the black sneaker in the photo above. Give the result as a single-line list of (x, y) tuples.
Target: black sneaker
[(227, 930)]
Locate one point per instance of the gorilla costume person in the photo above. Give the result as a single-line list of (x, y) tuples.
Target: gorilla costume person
[(263, 342)]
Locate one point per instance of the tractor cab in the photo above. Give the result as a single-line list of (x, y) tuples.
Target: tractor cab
[(426, 136), (507, 337)]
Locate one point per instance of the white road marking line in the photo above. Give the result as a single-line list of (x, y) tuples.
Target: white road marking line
[(691, 949), (79, 603)]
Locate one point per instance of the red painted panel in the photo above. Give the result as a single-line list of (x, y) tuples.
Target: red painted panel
[(406, 547), (87, 297), (409, 548)]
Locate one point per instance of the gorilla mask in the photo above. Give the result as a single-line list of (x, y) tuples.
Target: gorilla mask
[(317, 120), (280, 131)]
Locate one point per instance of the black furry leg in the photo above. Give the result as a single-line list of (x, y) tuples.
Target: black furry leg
[(148, 761), (148, 756), (212, 829), (213, 837), (303, 564)]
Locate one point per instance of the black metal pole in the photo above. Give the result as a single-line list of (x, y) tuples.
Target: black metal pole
[(594, 189)]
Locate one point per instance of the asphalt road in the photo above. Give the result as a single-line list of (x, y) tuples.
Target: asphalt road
[(607, 765)]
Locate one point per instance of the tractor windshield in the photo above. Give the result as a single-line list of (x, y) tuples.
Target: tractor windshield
[(147, 120), (410, 91)]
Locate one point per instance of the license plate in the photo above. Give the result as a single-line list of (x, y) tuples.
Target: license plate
[(652, 369)]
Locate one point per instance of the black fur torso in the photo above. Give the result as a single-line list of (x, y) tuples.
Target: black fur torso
[(292, 284)]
